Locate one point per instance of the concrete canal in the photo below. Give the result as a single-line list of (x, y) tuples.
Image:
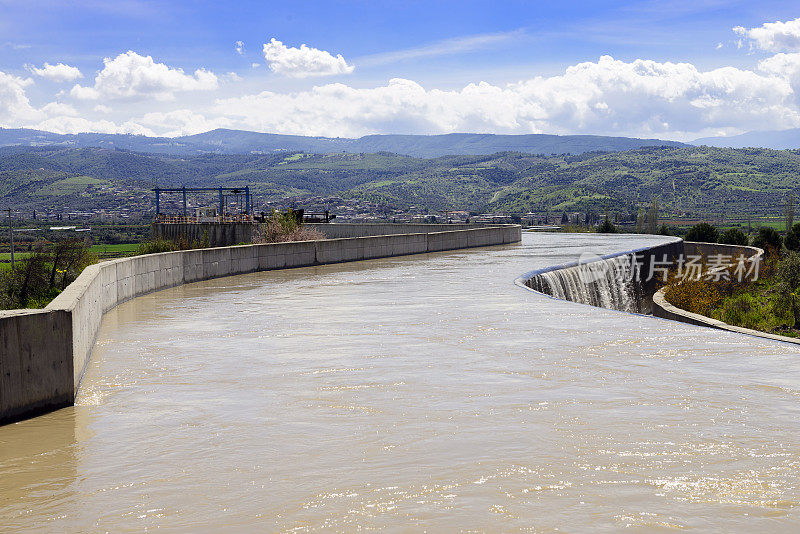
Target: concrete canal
[(411, 393)]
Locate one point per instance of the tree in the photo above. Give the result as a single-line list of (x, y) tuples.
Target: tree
[(769, 239), (564, 218), (788, 211), (607, 227), (652, 218), (640, 216), (703, 233), (792, 240), (733, 236)]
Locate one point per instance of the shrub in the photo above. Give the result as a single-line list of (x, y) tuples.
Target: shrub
[(664, 230), (769, 239), (733, 236), (154, 246), (696, 296), (280, 227), (703, 233)]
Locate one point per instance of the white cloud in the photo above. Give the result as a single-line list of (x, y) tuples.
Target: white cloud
[(57, 73), (239, 47), (72, 125), (131, 75), (180, 122), (100, 108), (641, 98), (15, 108), (773, 36), (255, 65), (304, 61)]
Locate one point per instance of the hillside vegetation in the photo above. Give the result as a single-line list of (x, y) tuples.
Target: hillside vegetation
[(701, 180)]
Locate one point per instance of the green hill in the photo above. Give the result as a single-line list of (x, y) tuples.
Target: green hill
[(243, 142), (700, 180)]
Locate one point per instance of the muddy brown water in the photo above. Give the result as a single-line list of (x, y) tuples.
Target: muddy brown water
[(423, 393)]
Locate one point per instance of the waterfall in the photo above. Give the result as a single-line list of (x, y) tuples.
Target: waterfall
[(607, 283)]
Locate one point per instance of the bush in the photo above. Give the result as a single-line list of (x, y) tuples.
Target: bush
[(696, 296), (769, 239), (664, 230), (703, 233), (792, 240), (789, 270), (154, 246), (280, 227), (742, 310), (733, 236)]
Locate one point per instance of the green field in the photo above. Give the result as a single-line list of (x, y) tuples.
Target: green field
[(70, 185), (103, 252), (115, 251)]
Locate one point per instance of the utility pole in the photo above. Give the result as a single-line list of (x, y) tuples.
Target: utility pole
[(11, 234)]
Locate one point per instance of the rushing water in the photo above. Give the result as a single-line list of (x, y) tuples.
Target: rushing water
[(418, 393), (607, 283)]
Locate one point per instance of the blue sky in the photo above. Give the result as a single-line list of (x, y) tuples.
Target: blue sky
[(405, 67)]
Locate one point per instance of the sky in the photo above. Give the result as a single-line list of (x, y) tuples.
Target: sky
[(665, 69)]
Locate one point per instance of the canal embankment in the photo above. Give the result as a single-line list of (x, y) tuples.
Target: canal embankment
[(45, 352)]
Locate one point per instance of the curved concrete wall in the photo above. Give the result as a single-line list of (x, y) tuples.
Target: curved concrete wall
[(44, 352), (644, 288), (662, 308)]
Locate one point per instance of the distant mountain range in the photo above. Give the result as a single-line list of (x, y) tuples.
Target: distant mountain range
[(774, 139), (223, 141)]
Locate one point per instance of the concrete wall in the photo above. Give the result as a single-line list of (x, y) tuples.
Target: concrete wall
[(36, 363), (45, 352), (335, 230), (206, 234), (665, 310), (693, 248)]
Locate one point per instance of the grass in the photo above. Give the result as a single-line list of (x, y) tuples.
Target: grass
[(756, 306), (69, 186), (115, 251), (102, 251)]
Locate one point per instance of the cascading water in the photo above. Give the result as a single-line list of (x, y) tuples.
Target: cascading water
[(607, 283)]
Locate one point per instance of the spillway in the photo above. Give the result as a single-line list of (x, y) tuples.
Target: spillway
[(411, 393), (607, 283)]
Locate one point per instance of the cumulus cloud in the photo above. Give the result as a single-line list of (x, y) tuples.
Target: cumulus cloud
[(57, 73), (304, 61), (15, 108), (773, 36), (642, 98), (239, 47), (131, 75)]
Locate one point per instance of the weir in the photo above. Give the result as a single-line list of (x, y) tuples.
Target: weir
[(623, 281)]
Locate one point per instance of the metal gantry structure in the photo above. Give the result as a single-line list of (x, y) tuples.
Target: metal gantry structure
[(222, 191)]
